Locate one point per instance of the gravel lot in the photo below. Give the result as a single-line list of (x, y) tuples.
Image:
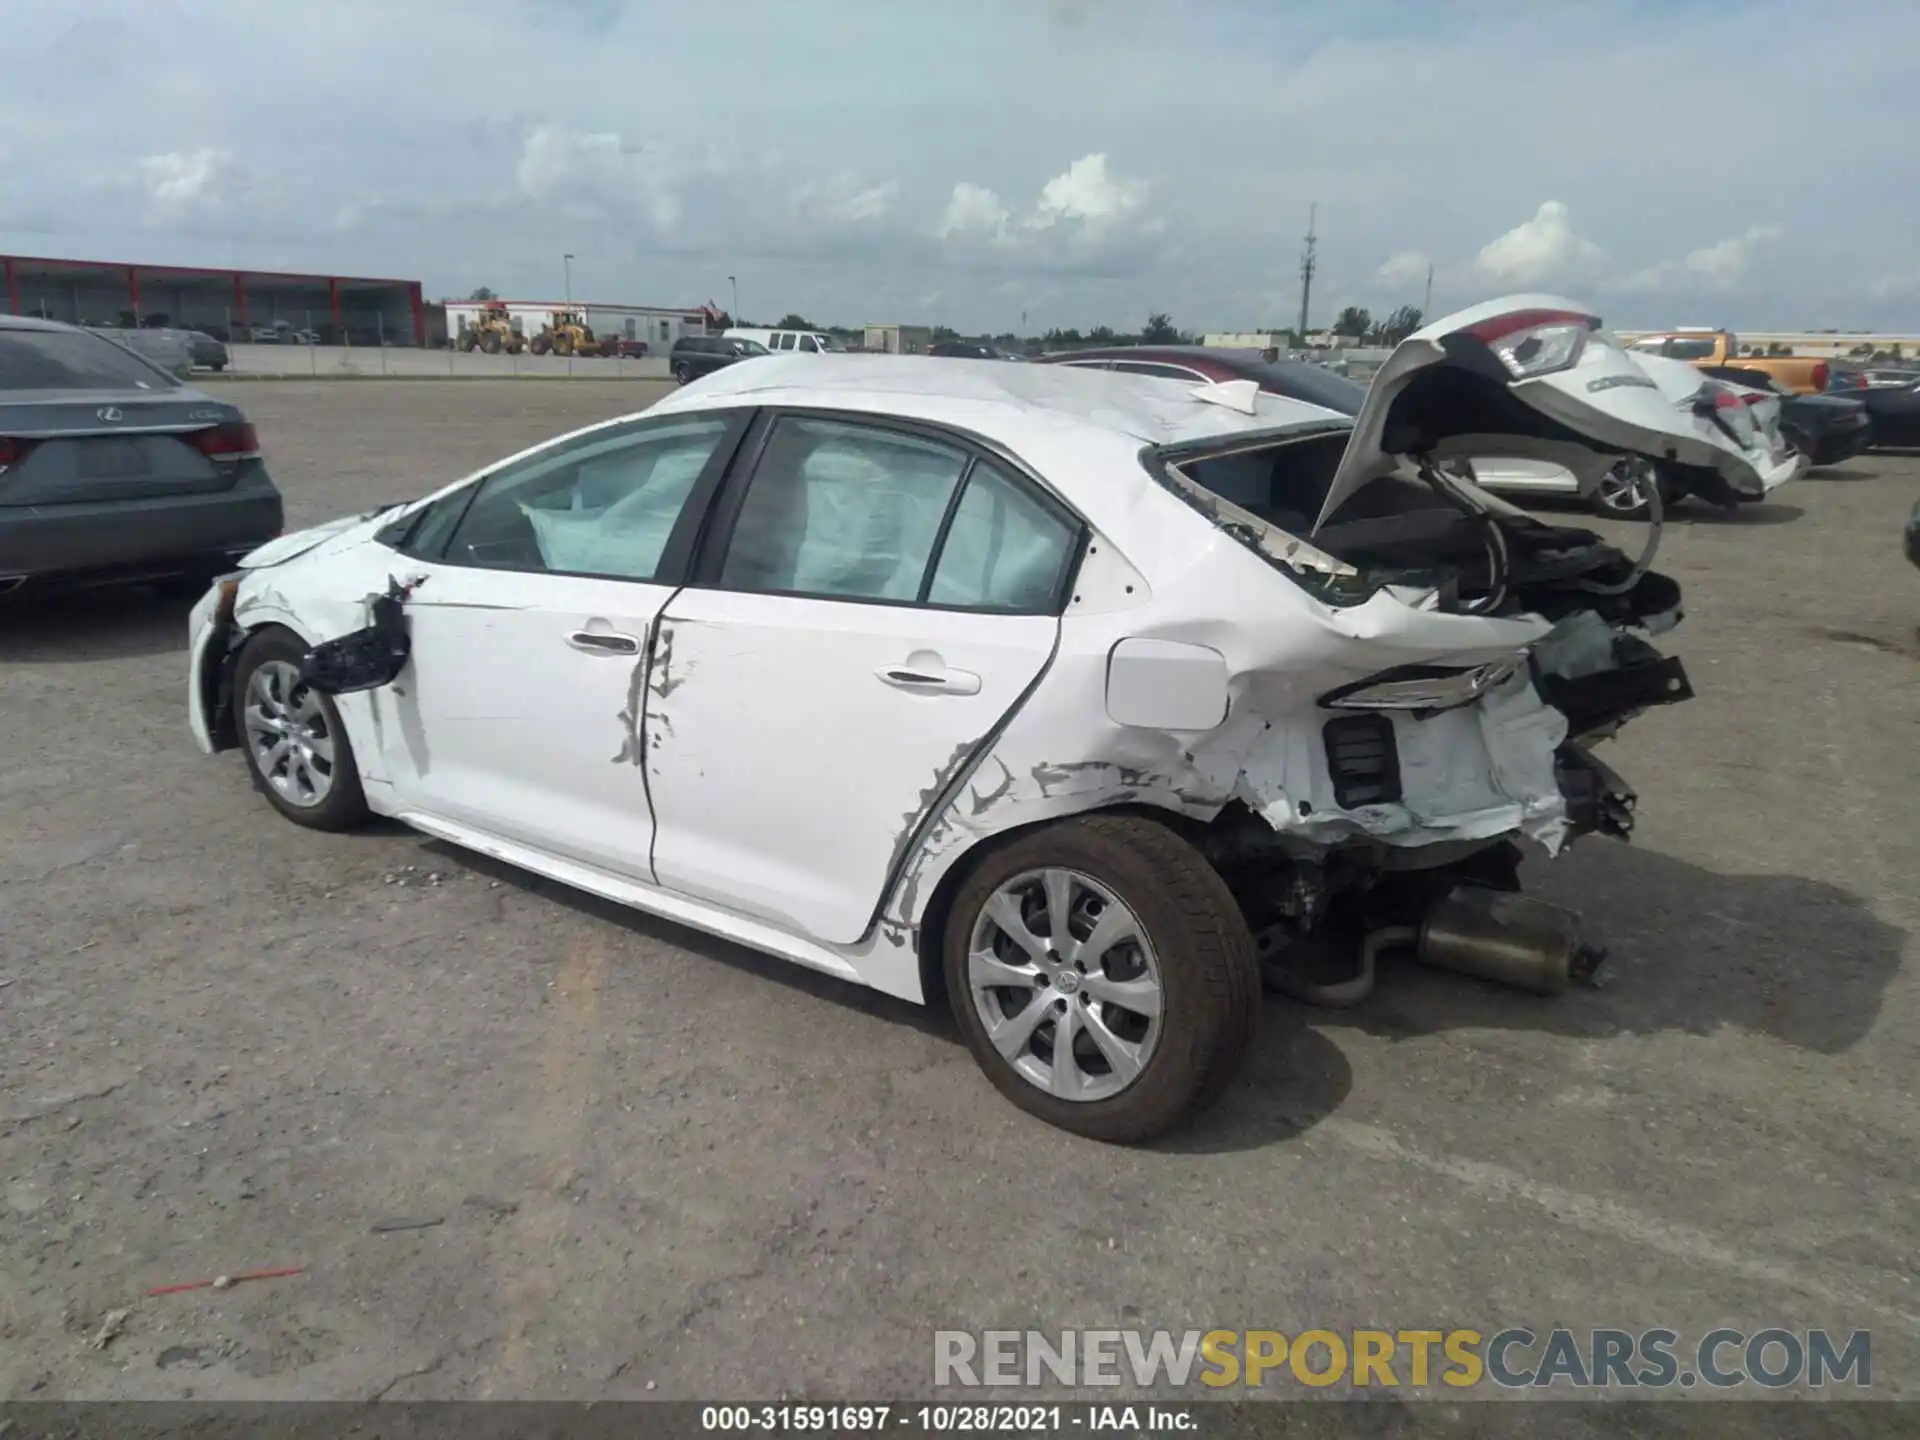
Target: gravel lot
[(665, 1167)]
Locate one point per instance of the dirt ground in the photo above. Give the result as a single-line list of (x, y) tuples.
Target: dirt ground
[(656, 1165)]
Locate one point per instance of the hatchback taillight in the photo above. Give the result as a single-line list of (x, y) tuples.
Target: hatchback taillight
[(12, 452), (228, 443)]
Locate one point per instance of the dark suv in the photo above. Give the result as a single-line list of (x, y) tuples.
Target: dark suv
[(968, 350), (696, 355)]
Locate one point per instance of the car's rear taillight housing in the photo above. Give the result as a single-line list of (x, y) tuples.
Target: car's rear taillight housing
[(12, 452), (227, 444), (1821, 374), (1535, 342)]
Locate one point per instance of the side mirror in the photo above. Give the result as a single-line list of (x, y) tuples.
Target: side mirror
[(362, 659)]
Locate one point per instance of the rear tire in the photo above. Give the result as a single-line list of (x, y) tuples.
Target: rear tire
[(1177, 945), (297, 750), (683, 372)]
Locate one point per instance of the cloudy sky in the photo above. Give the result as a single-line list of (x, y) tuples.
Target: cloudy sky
[(1754, 163)]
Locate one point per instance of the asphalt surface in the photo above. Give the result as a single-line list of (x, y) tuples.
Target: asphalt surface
[(661, 1166)]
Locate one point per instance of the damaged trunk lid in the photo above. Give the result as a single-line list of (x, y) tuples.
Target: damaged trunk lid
[(1537, 377)]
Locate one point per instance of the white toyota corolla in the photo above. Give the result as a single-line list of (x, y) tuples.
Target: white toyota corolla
[(1083, 702)]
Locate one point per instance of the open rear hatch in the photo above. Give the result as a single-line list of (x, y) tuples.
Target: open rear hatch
[(1536, 377)]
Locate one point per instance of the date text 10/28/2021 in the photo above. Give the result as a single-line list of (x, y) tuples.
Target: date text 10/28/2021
[(947, 1419)]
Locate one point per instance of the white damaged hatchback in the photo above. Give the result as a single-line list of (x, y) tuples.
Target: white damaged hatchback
[(1088, 704)]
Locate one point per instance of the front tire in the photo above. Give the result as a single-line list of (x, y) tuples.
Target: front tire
[(1103, 976), (297, 750)]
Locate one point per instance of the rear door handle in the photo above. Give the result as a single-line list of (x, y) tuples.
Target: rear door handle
[(929, 681), (603, 642)]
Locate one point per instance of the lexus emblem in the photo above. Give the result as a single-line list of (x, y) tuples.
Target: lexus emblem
[(110, 414)]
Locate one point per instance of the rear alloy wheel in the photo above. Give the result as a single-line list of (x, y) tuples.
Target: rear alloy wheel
[(1103, 976), (1625, 491), (296, 747)]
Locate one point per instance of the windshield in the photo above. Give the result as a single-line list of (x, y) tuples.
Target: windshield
[(831, 345), (750, 347), (73, 360)]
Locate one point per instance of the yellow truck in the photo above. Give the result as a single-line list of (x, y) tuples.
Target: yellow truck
[(1804, 375)]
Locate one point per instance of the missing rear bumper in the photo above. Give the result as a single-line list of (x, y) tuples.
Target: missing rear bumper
[(1598, 800)]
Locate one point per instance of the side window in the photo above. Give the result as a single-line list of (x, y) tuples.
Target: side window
[(1088, 364), (806, 343), (1005, 550), (600, 505), (1163, 372), (842, 512), (424, 535)]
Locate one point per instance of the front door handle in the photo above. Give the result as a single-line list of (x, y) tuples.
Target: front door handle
[(930, 681), (603, 642)]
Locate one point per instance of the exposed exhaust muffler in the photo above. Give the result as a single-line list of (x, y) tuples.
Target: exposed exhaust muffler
[(1509, 938)]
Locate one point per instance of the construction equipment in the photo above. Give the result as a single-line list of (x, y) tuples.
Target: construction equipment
[(567, 333), (491, 331)]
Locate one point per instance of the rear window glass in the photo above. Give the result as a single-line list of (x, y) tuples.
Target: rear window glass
[(1691, 349), (71, 360), (1298, 381)]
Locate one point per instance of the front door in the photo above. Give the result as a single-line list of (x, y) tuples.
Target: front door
[(874, 604), (519, 714)]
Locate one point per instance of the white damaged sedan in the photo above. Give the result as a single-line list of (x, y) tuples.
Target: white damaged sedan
[(1082, 702)]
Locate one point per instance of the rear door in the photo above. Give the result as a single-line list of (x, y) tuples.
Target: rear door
[(875, 601)]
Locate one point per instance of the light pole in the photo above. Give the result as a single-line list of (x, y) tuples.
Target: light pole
[(736, 298), (567, 262)]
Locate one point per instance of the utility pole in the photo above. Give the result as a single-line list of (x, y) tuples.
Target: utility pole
[(1426, 310), (567, 261), (1306, 273)]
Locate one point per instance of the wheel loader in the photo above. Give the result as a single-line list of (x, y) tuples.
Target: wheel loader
[(567, 333), (492, 331)]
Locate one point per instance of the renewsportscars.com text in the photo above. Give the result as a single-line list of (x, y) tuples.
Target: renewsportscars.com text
[(1513, 1358)]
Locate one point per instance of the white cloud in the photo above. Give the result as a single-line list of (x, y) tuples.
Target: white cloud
[(180, 183), (974, 212), (1540, 251), (1897, 285), (1723, 264), (597, 173), (1407, 267), (849, 200), (1086, 216), (1717, 267), (1087, 193)]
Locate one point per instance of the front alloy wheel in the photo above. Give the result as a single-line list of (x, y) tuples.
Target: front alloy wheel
[(288, 735), (297, 750)]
